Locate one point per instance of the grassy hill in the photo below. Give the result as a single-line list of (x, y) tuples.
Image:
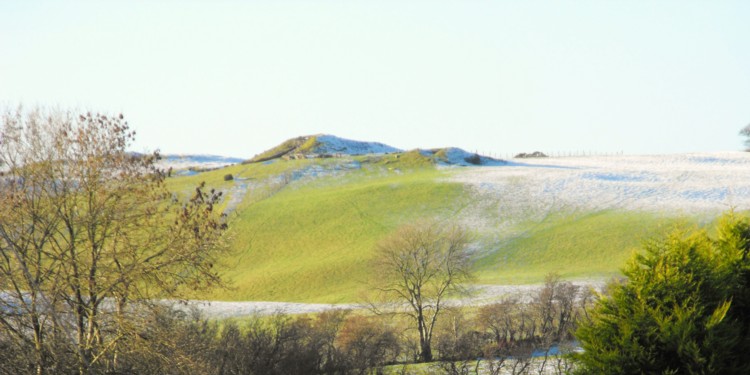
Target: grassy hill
[(304, 230)]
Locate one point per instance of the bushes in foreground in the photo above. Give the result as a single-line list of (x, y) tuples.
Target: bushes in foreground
[(494, 337), (683, 309), (175, 342)]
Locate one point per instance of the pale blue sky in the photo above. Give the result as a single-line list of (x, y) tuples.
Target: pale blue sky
[(237, 77)]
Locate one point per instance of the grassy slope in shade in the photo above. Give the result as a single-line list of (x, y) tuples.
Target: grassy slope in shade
[(313, 244), (576, 245)]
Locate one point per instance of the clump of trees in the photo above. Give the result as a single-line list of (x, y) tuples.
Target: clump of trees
[(474, 159), (521, 334), (535, 154), (421, 264), (335, 342), (684, 309), (89, 236)]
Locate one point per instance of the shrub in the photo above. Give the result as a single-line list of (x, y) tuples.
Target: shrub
[(682, 310), (474, 159)]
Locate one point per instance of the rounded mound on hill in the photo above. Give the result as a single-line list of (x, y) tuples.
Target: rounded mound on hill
[(322, 145)]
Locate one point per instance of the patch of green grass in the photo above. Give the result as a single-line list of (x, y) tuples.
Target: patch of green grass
[(313, 244), (575, 245), (398, 161)]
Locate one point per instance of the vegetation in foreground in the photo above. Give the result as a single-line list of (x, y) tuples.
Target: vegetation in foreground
[(509, 337), (684, 308)]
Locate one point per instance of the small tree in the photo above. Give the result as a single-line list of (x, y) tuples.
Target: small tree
[(682, 310), (556, 313), (369, 343), (745, 132), (420, 265)]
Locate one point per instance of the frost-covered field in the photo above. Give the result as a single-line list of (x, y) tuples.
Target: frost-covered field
[(681, 184)]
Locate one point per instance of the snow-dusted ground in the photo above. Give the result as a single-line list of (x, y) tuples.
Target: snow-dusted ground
[(224, 309), (480, 295), (178, 162), (330, 144), (694, 183)]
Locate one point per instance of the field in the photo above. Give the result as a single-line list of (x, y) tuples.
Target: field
[(304, 230)]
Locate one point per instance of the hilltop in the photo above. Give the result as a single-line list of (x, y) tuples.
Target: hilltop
[(321, 145), (329, 146)]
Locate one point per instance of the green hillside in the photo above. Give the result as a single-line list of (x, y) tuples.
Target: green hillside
[(575, 245), (304, 230)]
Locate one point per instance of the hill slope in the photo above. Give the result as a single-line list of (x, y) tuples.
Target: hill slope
[(304, 230)]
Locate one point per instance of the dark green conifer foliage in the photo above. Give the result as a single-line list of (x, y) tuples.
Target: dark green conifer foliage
[(682, 310)]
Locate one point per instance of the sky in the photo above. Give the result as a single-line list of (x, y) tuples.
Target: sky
[(234, 78)]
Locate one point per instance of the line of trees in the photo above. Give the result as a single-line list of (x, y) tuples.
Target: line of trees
[(510, 337)]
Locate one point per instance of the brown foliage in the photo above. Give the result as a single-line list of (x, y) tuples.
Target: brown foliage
[(88, 231)]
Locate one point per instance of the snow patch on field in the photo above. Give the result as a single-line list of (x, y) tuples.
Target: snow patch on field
[(678, 184), (222, 309), (178, 162), (329, 144), (479, 295)]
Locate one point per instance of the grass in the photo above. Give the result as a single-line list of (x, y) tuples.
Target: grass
[(313, 244), (311, 239), (575, 245)]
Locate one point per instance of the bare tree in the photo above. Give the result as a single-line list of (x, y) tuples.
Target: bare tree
[(458, 343), (88, 230), (420, 265), (368, 343), (512, 328), (556, 310)]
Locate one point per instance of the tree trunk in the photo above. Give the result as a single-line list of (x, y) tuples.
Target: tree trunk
[(425, 354), (38, 346)]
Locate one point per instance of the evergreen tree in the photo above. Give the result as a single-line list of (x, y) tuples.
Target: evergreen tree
[(682, 310)]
